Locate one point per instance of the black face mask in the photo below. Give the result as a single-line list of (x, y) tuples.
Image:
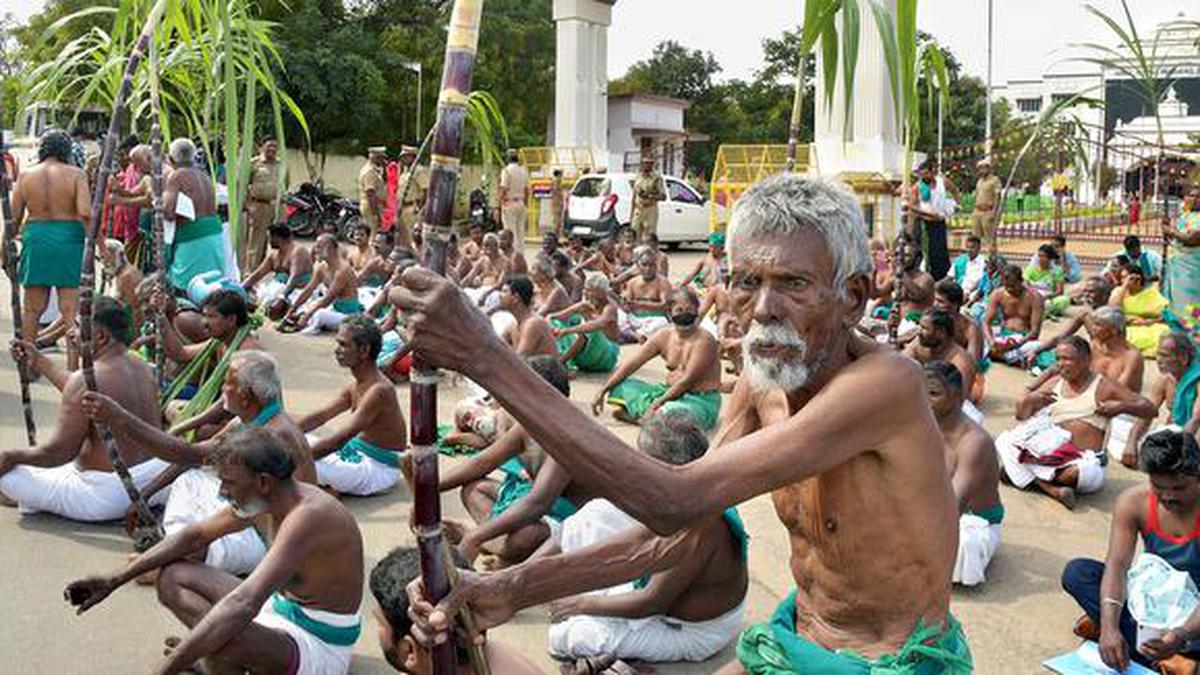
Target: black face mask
[(684, 319)]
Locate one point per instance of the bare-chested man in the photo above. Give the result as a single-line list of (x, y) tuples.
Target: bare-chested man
[(363, 457), (297, 612), (692, 356), (565, 274), (1112, 355), (711, 269), (801, 280), (1174, 392), (379, 267), (252, 393), (70, 473), (1094, 294), (125, 277), (287, 268), (190, 214), (514, 257), (50, 207), (910, 286), (1060, 451), (686, 613), (473, 247), (1017, 311), (549, 296), (530, 334), (935, 342), (948, 296), (647, 293), (360, 254), (341, 292), (974, 473), (587, 331)]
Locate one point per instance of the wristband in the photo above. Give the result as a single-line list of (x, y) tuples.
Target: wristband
[(1113, 601)]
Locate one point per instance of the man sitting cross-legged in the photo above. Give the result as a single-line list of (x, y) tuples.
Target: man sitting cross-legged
[(298, 612), (687, 611), (341, 292), (1174, 392), (286, 270), (1163, 514), (587, 331), (1058, 444), (647, 299), (549, 296), (535, 495), (974, 473), (388, 582), (70, 474), (1018, 313), (692, 356), (252, 392), (363, 457)]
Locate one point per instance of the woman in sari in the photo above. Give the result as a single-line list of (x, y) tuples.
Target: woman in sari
[(1143, 306), (1184, 269)]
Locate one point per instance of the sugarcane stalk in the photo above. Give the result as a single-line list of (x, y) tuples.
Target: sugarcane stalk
[(87, 280), (797, 110), (10, 251), (156, 187), (446, 155)]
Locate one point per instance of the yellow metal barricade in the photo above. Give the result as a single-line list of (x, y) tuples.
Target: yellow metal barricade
[(738, 167), (541, 162)]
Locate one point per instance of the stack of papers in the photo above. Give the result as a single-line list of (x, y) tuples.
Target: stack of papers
[(1086, 661)]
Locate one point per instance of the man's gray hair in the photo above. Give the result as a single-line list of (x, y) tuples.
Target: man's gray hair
[(1113, 316), (183, 152), (785, 203), (596, 280), (258, 372), (544, 265)]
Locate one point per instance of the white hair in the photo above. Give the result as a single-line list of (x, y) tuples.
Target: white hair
[(182, 152), (596, 280), (258, 372), (1113, 316), (786, 203)]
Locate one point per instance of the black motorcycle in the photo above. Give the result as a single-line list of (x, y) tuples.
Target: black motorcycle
[(349, 216), (309, 210), (480, 211)]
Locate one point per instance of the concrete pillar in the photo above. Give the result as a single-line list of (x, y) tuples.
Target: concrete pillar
[(581, 75), (875, 143)]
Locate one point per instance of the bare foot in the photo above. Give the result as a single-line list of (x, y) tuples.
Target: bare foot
[(622, 415), (1066, 496), (1129, 459)]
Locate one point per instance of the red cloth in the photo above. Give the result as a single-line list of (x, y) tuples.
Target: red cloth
[(1064, 455), (402, 365), (125, 218), (388, 218)]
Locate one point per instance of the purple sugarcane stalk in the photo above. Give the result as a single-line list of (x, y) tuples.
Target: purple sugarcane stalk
[(10, 251), (446, 155), (87, 287)]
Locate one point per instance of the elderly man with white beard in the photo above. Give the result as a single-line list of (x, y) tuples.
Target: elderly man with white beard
[(873, 575)]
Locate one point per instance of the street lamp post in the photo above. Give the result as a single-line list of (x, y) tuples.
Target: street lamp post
[(415, 66)]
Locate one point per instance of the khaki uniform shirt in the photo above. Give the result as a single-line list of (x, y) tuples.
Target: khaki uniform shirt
[(987, 193), (370, 177), (648, 189), (515, 180), (264, 179), (418, 189)]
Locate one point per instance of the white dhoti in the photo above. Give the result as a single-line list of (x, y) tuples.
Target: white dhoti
[(977, 543), (596, 520), (271, 289), (1040, 437), (194, 498), (484, 294), (356, 473), (973, 413), (1119, 429), (88, 496), (324, 319), (367, 295), (657, 639), (642, 325), (321, 642)]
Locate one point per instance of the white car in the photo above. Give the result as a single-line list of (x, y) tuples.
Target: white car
[(601, 204)]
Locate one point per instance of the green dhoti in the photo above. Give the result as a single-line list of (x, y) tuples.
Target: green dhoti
[(198, 248), (636, 396), (51, 253), (600, 353), (775, 648), (515, 486)]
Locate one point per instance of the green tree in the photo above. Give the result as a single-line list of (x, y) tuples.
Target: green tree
[(672, 70)]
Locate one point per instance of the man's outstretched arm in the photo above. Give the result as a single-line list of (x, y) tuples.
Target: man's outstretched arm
[(825, 433)]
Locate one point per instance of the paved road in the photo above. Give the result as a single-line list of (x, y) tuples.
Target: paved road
[(1019, 618)]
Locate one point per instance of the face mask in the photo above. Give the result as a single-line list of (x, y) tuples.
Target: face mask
[(683, 319)]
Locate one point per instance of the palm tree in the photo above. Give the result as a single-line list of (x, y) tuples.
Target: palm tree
[(216, 61)]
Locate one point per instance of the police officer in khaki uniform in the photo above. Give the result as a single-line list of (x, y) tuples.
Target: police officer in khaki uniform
[(514, 196), (372, 190), (648, 190), (409, 205), (262, 202)]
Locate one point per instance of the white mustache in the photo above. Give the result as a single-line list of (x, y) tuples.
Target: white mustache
[(775, 334)]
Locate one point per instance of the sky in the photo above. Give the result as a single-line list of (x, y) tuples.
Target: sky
[(1029, 35)]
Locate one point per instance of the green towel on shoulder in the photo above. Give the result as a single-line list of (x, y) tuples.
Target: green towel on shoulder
[(51, 253), (356, 448), (775, 648), (636, 396)]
